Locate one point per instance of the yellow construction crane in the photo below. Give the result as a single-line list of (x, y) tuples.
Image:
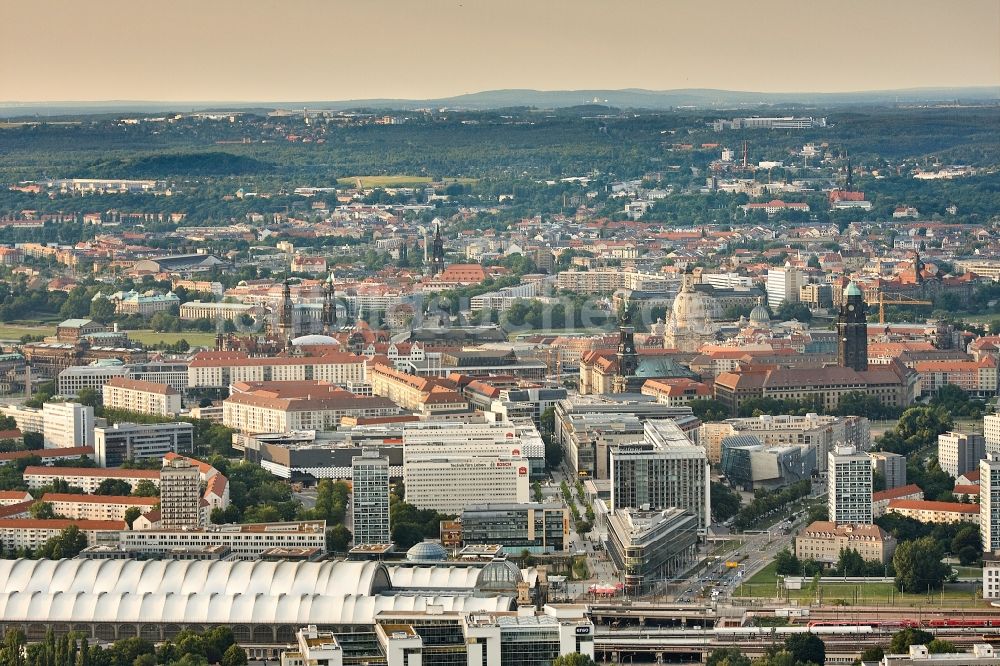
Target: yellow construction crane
[(895, 299)]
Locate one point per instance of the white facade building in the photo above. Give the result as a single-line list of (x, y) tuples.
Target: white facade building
[(370, 498), (849, 486), (991, 432), (86, 478), (960, 452), (248, 542), (783, 285), (989, 502), (67, 425), (180, 494), (141, 397), (450, 482), (97, 507)]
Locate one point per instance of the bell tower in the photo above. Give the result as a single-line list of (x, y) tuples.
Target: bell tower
[(852, 330)]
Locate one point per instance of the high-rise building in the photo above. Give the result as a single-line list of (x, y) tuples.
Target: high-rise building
[(989, 502), (891, 466), (180, 494), (991, 432), (67, 425), (852, 330), (849, 486), (783, 285), (960, 452), (664, 470), (115, 444), (370, 498)]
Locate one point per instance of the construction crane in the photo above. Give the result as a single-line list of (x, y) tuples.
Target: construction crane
[(895, 299)]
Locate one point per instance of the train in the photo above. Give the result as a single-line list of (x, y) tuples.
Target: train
[(909, 623)]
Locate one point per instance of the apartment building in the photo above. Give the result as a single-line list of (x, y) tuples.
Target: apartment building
[(960, 452), (283, 406), (222, 369), (991, 432), (97, 507), (891, 466), (180, 494), (881, 499), (142, 397), (927, 511), (977, 378), (989, 502), (86, 478), (849, 486), (247, 542), (28, 533), (115, 444), (370, 498)]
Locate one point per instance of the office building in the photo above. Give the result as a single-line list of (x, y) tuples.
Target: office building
[(748, 464), (960, 452), (450, 482), (651, 546), (115, 444), (891, 466), (537, 528), (142, 397), (222, 368), (94, 376), (982, 654), (315, 648), (370, 498), (180, 495), (67, 425), (824, 540), (989, 502), (784, 285), (664, 470), (849, 486)]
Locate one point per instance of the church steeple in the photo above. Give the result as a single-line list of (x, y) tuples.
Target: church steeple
[(437, 256), (628, 357), (286, 327), (329, 305), (852, 330), (849, 184)]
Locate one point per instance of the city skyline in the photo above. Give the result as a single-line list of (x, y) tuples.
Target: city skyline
[(241, 52)]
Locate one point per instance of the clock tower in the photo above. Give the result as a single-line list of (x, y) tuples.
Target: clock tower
[(852, 330)]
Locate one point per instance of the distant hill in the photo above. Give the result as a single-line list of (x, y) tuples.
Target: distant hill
[(631, 98)]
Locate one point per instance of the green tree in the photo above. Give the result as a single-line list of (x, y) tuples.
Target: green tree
[(725, 502), (918, 565), (787, 564), (337, 538), (102, 310), (903, 639), (573, 659), (807, 648), (89, 397), (113, 487), (727, 657), (42, 511), (872, 653), (68, 543), (940, 646), (234, 656), (405, 535), (34, 441), (131, 514), (146, 488)]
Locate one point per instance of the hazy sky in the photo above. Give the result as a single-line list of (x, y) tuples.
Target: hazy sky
[(289, 50)]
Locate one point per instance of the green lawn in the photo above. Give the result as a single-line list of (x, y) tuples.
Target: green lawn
[(762, 584), (979, 318), (14, 332), (193, 338), (397, 181)]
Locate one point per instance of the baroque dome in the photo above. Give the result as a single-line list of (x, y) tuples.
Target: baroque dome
[(314, 340), (760, 316)]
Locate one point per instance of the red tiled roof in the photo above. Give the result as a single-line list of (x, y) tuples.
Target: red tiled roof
[(928, 505), (894, 493), (61, 524), (41, 470), (140, 385), (100, 499)]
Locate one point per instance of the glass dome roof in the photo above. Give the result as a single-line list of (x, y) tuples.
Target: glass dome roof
[(427, 551), (500, 575)]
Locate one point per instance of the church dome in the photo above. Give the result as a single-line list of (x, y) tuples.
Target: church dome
[(692, 309), (314, 340), (760, 316)]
